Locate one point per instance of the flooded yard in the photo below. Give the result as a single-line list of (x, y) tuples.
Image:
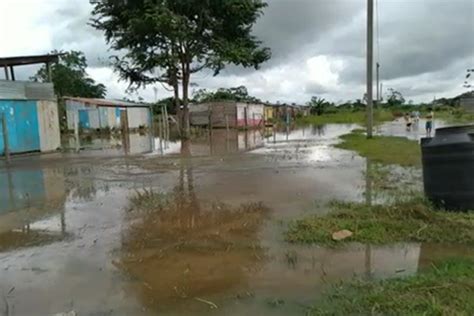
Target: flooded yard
[(186, 228)]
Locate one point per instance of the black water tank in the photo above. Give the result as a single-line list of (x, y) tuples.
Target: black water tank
[(448, 167)]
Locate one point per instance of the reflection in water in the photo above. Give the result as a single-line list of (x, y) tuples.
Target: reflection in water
[(179, 248), (28, 196)]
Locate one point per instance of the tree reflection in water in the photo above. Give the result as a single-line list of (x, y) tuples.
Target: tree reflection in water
[(178, 248)]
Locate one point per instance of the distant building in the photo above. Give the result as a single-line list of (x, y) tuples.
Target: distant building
[(89, 113), (232, 113), (281, 111), (31, 113), (30, 109), (467, 103)]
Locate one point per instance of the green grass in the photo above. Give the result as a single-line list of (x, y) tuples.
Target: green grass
[(446, 289), (384, 149), (455, 116), (412, 220), (346, 117)]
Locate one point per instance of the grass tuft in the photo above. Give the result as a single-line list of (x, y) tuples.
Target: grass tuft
[(412, 220), (384, 149), (447, 289)]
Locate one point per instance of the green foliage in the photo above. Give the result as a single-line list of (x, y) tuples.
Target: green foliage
[(318, 105), (345, 116), (167, 41), (239, 93), (445, 289), (455, 115), (395, 98), (384, 149), (402, 221), (168, 102), (70, 78)]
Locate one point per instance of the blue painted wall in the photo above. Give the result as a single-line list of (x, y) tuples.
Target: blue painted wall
[(22, 124), (84, 119), (20, 189)]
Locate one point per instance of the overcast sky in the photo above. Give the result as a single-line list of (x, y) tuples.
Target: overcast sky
[(318, 46)]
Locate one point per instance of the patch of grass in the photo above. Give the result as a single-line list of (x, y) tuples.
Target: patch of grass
[(346, 117), (455, 116), (413, 220), (447, 289), (384, 149)]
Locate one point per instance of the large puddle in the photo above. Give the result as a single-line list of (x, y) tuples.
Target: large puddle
[(205, 238)]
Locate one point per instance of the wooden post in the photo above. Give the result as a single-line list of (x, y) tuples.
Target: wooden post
[(76, 130), (5, 138), (160, 131), (227, 123), (12, 72), (163, 128), (7, 75), (167, 125), (152, 129), (48, 71)]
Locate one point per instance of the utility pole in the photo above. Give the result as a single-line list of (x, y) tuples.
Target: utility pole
[(377, 80), (370, 64)]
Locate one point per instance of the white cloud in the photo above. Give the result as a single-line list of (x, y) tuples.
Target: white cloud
[(318, 47)]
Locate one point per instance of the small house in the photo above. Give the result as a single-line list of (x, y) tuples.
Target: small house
[(269, 114), (467, 103), (29, 119), (30, 113), (94, 114), (227, 113)]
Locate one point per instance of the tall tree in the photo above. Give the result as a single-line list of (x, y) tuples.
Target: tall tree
[(70, 78), (395, 98), (239, 93), (167, 41), (317, 105)]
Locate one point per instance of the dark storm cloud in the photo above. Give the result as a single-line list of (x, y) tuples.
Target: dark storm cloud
[(290, 27), (416, 37), (420, 41)]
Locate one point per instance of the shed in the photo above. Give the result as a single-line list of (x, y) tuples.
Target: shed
[(235, 114), (467, 103), (30, 110), (90, 113)]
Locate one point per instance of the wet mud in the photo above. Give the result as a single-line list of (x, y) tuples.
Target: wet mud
[(192, 228)]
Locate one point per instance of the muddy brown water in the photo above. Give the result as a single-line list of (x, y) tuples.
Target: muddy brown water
[(207, 241)]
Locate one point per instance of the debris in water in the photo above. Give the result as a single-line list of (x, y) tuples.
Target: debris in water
[(342, 234), (211, 304)]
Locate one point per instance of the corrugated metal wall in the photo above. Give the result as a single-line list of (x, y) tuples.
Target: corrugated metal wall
[(48, 119), (26, 90), (93, 116), (22, 125), (138, 117), (39, 91), (255, 114)]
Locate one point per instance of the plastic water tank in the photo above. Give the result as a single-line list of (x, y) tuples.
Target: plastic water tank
[(448, 167)]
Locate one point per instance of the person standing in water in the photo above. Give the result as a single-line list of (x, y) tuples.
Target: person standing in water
[(408, 121), (429, 122)]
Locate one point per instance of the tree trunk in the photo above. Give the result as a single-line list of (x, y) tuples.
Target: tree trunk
[(177, 104), (185, 83)]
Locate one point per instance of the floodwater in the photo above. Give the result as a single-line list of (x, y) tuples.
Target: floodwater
[(206, 237)]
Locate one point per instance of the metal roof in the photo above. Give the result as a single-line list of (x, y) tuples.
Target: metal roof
[(26, 90), (29, 60), (106, 102)]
